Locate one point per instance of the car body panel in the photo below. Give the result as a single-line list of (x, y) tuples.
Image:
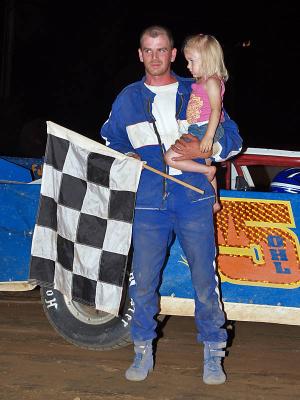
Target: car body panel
[(258, 259)]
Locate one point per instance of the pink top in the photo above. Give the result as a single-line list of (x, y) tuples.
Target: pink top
[(198, 109)]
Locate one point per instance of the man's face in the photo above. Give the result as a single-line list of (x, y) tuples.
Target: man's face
[(156, 54)]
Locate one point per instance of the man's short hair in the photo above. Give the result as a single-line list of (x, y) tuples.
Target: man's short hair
[(157, 30)]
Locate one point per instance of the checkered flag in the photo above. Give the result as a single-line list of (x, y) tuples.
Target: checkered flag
[(83, 229)]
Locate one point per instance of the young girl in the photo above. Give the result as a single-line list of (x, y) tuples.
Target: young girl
[(204, 112)]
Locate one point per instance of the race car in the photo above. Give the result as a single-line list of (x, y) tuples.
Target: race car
[(257, 233)]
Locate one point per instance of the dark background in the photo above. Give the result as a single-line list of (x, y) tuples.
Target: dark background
[(66, 61)]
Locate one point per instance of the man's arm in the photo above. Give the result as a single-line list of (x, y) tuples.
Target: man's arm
[(188, 147), (114, 130), (228, 146)]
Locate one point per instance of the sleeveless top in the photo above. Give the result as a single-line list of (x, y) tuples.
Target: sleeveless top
[(198, 109)]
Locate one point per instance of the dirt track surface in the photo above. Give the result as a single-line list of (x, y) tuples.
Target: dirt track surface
[(37, 364)]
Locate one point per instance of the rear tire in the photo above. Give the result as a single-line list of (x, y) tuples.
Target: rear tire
[(85, 326)]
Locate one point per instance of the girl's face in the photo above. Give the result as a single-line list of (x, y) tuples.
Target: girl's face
[(194, 65)]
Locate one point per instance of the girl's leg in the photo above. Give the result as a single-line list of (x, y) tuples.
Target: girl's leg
[(190, 165), (217, 205)]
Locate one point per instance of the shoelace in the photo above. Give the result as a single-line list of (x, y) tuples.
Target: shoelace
[(137, 360), (213, 363)]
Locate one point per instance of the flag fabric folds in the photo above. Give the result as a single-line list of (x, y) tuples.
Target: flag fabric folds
[(83, 228)]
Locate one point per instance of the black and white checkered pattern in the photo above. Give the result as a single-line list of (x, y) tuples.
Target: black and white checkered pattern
[(83, 228)]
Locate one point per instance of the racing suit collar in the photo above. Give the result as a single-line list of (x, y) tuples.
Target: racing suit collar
[(184, 89)]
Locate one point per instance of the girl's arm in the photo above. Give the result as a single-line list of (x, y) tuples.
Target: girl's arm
[(213, 88)]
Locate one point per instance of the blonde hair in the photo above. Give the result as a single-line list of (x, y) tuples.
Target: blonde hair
[(211, 53)]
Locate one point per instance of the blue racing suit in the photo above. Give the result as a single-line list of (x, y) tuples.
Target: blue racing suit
[(164, 207)]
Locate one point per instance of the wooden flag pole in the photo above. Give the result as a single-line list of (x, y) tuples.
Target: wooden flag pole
[(156, 171)]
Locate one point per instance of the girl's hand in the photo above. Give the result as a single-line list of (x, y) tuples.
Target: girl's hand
[(206, 144)]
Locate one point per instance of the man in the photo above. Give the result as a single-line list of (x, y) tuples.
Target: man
[(144, 124)]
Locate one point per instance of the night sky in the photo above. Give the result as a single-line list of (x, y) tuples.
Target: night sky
[(66, 61)]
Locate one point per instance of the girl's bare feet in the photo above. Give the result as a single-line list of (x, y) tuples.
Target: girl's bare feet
[(216, 207)]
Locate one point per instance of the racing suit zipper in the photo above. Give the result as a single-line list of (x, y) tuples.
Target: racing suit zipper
[(164, 193), (180, 106), (160, 142), (162, 154)]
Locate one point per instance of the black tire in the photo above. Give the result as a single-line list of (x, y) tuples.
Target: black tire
[(83, 325)]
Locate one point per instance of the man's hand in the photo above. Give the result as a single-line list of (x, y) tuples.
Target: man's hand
[(134, 155), (188, 146)]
